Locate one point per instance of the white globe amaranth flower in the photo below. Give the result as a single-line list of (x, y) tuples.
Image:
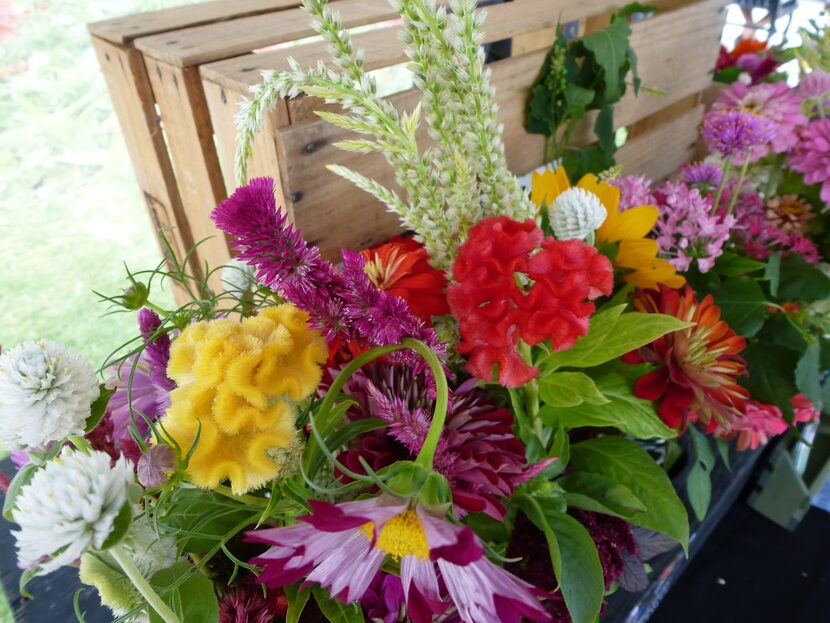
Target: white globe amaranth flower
[(576, 214), (46, 390), (150, 553), (69, 506), (237, 276)]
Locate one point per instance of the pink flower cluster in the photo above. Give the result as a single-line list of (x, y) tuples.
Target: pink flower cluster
[(686, 230)]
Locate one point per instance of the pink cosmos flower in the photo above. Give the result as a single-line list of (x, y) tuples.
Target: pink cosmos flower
[(775, 101), (803, 409), (342, 547), (758, 423), (812, 156)]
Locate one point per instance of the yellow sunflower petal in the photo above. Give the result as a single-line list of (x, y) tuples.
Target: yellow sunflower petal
[(636, 254), (634, 223), (657, 272), (546, 187), (609, 195)]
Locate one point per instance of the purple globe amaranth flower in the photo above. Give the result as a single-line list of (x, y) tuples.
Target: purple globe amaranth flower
[(811, 156), (734, 133), (704, 176), (342, 547), (635, 190), (344, 304), (774, 101), (478, 453), (686, 230)]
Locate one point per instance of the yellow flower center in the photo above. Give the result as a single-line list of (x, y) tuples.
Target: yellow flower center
[(403, 535)]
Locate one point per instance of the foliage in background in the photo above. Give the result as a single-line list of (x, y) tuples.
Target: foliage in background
[(589, 74)]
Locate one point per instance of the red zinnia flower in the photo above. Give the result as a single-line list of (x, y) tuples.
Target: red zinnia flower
[(508, 289), (401, 267), (697, 367)]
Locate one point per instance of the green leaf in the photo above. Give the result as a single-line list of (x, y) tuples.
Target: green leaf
[(22, 478), (624, 411), (610, 49), (340, 437), (99, 407), (733, 265), (569, 389), (742, 304), (604, 130), (600, 494), (723, 449), (625, 462), (573, 556), (192, 599), (801, 281), (297, 599), (699, 479), (334, 610), (772, 272), (612, 334), (120, 525), (198, 519), (771, 378), (808, 374), (578, 99)]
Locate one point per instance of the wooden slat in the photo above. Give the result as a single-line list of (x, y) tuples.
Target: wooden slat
[(203, 44), (125, 29), (132, 99), (186, 122), (383, 47), (659, 152)]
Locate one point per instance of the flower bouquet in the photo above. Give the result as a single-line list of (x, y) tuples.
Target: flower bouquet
[(451, 426)]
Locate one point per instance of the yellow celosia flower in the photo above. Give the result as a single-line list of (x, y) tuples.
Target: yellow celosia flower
[(628, 229), (240, 381)]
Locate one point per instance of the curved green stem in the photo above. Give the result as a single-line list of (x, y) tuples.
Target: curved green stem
[(726, 170), (247, 499), (142, 585), (740, 183)]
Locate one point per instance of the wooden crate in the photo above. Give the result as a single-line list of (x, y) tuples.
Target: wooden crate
[(177, 76)]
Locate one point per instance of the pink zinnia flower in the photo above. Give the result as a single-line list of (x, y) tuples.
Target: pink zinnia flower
[(775, 101), (814, 91), (812, 156), (804, 410), (758, 423), (342, 547)]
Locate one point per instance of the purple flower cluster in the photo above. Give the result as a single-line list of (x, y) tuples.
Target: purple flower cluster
[(686, 229), (635, 190), (735, 133), (705, 176), (344, 304)]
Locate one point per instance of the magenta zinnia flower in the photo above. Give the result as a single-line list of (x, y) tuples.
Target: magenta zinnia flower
[(344, 304), (773, 101), (756, 425), (812, 156), (478, 453), (342, 547), (735, 133)]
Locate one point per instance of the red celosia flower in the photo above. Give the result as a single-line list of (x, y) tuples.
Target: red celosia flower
[(245, 603), (697, 368), (401, 267), (509, 290)]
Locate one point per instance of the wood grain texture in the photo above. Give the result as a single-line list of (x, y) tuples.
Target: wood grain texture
[(126, 28), (134, 105), (189, 132), (211, 42)]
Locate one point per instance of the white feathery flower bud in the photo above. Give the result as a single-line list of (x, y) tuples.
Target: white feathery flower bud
[(46, 391), (68, 507), (576, 214), (238, 276)]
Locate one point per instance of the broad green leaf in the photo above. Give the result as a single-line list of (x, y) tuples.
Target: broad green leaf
[(568, 389), (192, 599), (801, 281), (120, 525), (573, 556), (772, 272), (610, 48), (699, 479), (625, 462), (612, 334), (742, 304), (99, 407), (624, 411), (723, 449), (334, 610), (297, 599), (22, 478), (600, 494), (733, 265), (808, 374), (578, 99), (771, 374), (604, 130)]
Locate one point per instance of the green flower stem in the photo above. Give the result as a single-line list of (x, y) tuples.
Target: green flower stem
[(738, 186), (726, 170), (142, 585), (439, 416), (246, 499)]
